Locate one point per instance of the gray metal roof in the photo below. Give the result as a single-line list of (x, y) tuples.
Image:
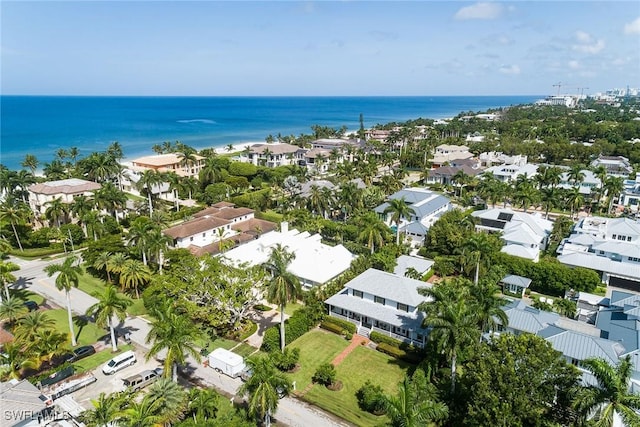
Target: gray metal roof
[(384, 313), (405, 262), (525, 318), (595, 262), (581, 346), (389, 286), (415, 227), (414, 197), (512, 279)]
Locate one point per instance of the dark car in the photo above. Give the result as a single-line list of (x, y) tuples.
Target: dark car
[(80, 353), (31, 305)]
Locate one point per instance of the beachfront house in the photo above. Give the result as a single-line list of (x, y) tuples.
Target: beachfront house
[(382, 302), (170, 162), (427, 205), (315, 263), (41, 194), (273, 155), (611, 246)]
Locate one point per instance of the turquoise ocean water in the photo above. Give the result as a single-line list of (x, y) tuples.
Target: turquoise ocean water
[(40, 125)]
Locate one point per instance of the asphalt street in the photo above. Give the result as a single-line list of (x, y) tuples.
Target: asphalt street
[(31, 276)]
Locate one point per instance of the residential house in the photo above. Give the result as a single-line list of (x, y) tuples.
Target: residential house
[(66, 190), (492, 158), (588, 305), (511, 172), (444, 174), (23, 405), (427, 205), (318, 160), (524, 235), (273, 155), (588, 185), (615, 165), (445, 153), (515, 285), (315, 263), (170, 162), (422, 266), (630, 197), (611, 246), (525, 319), (222, 221), (382, 302)]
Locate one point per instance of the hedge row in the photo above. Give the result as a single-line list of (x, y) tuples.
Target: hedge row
[(296, 326), (332, 327), (398, 353), (380, 338), (344, 324)]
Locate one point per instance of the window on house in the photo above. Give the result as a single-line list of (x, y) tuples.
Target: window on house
[(379, 300), (204, 234), (191, 239), (403, 307), (357, 293)]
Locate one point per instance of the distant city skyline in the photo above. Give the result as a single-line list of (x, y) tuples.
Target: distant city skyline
[(332, 48)]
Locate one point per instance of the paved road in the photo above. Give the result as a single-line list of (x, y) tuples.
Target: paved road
[(31, 276)]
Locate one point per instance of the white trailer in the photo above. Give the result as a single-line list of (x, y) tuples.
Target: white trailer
[(227, 362)]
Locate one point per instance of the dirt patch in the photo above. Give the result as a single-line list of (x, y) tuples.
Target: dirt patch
[(337, 386)]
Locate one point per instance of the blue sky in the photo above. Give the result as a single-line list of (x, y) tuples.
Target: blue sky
[(318, 47)]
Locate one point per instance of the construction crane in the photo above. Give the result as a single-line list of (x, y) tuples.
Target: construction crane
[(581, 89), (559, 85)]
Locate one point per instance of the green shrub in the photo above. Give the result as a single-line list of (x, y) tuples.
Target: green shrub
[(296, 326), (286, 360), (344, 324), (262, 307), (269, 216), (371, 398), (332, 327), (378, 338), (325, 374), (398, 353)]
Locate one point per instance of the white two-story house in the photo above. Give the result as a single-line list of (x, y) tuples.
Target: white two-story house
[(65, 189), (273, 155), (611, 246), (382, 302)]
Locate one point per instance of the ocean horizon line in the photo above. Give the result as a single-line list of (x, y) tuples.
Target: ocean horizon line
[(265, 96)]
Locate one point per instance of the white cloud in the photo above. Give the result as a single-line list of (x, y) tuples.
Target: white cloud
[(632, 27), (482, 10), (509, 69), (587, 44), (574, 65)]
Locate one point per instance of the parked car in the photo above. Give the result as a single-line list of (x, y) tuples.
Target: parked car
[(31, 305), (80, 353), (128, 358), (142, 379)]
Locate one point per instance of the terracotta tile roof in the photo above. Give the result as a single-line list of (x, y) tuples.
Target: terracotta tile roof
[(210, 211), (231, 213), (64, 186), (195, 226), (274, 148), (223, 204), (161, 160), (251, 225)]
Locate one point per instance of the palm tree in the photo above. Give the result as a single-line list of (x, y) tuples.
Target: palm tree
[(283, 287), (110, 198), (6, 268), (109, 304), (106, 410), (550, 199), (133, 274), (46, 344), (68, 277), (149, 179), (172, 397), (460, 179), (526, 195), (575, 200), (138, 235), (487, 304), (576, 175), (115, 264), (453, 325), (612, 397), (81, 206), (372, 231), (203, 404), (174, 332), (144, 413), (13, 214), (416, 404), (479, 247), (399, 210), (30, 161), (16, 359), (101, 264), (187, 158), (12, 309), (264, 387), (31, 323), (157, 243), (613, 186)]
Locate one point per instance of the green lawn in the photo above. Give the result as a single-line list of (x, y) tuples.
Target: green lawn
[(291, 307), (361, 365), (87, 333), (26, 295), (317, 347), (244, 350), (91, 285), (218, 342), (95, 360)]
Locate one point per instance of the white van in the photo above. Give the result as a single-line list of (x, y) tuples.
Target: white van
[(119, 362)]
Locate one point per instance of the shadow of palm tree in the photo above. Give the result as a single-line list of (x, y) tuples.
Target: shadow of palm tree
[(80, 321), (21, 283)]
